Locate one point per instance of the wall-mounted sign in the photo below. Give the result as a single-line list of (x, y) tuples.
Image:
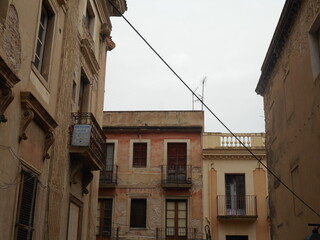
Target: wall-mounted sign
[(81, 135)]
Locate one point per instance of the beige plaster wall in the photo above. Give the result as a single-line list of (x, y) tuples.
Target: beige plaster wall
[(291, 103)]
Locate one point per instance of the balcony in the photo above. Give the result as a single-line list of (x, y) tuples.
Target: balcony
[(180, 233), (237, 207), (109, 176), (87, 141), (176, 176)]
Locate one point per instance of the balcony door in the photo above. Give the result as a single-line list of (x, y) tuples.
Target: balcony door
[(176, 219), (109, 162), (177, 162), (235, 194), (104, 219)]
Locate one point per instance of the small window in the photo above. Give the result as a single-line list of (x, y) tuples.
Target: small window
[(44, 40), (26, 206), (140, 155), (138, 213)]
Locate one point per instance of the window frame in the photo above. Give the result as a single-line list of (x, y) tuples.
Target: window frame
[(42, 68)]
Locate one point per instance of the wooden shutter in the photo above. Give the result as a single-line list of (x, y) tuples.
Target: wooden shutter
[(139, 155), (27, 206), (177, 154)]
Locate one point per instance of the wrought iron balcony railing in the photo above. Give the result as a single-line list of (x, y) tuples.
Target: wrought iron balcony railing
[(87, 141), (235, 206), (109, 176), (181, 233), (176, 176)]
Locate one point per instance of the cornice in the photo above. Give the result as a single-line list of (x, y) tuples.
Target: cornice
[(7, 77), (41, 116), (278, 41)]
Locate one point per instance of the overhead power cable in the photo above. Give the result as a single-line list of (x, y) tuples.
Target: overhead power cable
[(219, 120)]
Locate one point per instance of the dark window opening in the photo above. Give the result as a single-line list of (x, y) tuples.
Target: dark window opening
[(138, 213)]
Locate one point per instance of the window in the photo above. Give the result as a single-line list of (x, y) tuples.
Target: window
[(236, 237), (140, 155), (138, 213), (108, 173), (235, 194), (84, 90), (104, 218), (176, 218), (44, 40), (177, 162), (89, 18), (314, 45), (26, 206)]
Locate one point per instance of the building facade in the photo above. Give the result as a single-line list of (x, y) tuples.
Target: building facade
[(151, 187), (235, 187), (289, 84), (52, 70)]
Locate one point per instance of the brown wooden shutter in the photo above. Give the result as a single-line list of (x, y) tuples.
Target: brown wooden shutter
[(27, 205), (139, 155)]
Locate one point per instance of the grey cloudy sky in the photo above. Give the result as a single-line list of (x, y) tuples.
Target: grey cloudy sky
[(225, 41)]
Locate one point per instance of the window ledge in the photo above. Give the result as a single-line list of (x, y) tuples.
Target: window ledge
[(43, 81)]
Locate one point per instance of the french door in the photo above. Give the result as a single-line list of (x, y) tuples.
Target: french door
[(176, 219), (177, 162)]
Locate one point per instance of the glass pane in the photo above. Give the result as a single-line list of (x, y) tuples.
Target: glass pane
[(170, 214), (170, 231), (170, 205), (170, 222), (182, 231), (182, 205), (182, 214), (182, 223)]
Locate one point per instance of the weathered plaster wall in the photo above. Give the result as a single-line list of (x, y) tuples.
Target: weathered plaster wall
[(292, 109)]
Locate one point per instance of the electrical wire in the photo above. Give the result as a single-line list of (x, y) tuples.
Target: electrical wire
[(217, 118)]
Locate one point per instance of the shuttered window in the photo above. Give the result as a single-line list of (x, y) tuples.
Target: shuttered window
[(138, 213), (26, 206), (139, 155)]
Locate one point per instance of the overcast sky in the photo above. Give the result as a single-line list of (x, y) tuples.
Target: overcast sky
[(225, 41)]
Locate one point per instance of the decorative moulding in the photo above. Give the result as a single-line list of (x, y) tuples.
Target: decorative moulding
[(7, 80), (88, 54), (33, 110)]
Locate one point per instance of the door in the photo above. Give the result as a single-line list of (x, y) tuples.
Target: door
[(235, 194), (176, 219), (104, 219), (177, 163)]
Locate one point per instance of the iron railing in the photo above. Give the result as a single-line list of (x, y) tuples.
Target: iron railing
[(97, 139), (109, 176), (176, 174), (237, 206), (181, 233)]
